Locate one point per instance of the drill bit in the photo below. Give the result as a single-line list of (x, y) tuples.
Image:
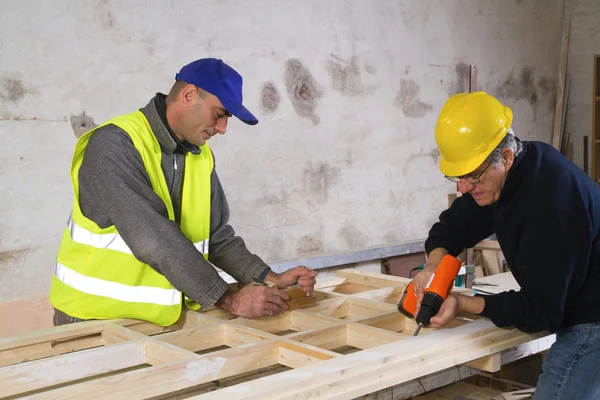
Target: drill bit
[(418, 329)]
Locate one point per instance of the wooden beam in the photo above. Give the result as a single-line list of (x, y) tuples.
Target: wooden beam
[(35, 375), (560, 93), (296, 355), (166, 378), (491, 363)]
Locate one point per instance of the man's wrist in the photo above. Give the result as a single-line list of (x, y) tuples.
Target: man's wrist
[(272, 277), (471, 305), (226, 301)]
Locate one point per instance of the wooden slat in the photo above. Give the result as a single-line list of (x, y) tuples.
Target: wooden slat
[(196, 339), (327, 338), (34, 375), (163, 379), (560, 93), (158, 353), (296, 355), (365, 337), (491, 363)]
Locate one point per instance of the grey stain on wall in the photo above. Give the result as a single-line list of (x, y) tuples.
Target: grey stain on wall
[(319, 179), (353, 237), (303, 90), (269, 97), (105, 15), (10, 260), (81, 124), (408, 99), (12, 89), (521, 85), (345, 76), (309, 244)]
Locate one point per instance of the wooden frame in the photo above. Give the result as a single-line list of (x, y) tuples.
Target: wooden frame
[(596, 120), (352, 342)]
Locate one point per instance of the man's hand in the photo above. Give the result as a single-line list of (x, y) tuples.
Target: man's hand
[(422, 278), (447, 312), (303, 276), (455, 304), (254, 301)]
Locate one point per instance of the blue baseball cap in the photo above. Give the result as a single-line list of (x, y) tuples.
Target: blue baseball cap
[(219, 79)]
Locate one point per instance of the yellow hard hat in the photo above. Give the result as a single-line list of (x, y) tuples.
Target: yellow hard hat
[(469, 128)]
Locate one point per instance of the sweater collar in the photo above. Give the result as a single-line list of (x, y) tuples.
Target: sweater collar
[(156, 113), (515, 175)]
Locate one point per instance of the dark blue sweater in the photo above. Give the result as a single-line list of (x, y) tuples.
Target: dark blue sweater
[(547, 221)]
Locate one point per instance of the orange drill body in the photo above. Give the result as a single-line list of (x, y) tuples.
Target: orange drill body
[(436, 291)]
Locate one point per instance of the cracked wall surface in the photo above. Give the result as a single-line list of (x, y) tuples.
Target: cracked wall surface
[(347, 95)]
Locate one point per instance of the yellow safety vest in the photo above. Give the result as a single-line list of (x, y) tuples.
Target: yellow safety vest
[(96, 276)]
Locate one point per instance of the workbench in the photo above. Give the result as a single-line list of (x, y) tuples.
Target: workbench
[(352, 342)]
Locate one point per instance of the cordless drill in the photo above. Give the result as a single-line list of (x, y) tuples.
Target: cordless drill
[(435, 293)]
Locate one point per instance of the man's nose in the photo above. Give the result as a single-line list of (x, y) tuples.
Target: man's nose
[(464, 186), (221, 125)]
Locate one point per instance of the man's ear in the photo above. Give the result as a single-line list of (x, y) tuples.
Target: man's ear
[(187, 94), (509, 157)]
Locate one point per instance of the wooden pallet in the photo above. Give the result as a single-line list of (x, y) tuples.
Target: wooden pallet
[(352, 342)]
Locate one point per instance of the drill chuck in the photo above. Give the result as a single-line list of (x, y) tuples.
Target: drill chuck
[(430, 306)]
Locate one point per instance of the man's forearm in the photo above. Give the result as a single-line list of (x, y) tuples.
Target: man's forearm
[(228, 251), (434, 258), (471, 305)]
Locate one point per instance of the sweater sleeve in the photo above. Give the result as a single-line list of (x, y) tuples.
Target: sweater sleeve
[(116, 190), (228, 251), (461, 226), (551, 248)]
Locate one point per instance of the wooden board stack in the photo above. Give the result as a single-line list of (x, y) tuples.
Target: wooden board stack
[(353, 341)]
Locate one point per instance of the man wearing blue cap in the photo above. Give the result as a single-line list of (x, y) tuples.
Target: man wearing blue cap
[(150, 216)]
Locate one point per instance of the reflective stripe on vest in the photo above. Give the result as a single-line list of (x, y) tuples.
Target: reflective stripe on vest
[(112, 241), (114, 290)]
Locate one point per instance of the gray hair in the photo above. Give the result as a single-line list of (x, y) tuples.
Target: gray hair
[(508, 142)]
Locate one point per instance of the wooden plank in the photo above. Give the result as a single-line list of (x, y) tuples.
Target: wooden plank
[(391, 321), (365, 337), (196, 339), (526, 349), (491, 363), (303, 320), (488, 244), (348, 288), (387, 294), (158, 353), (295, 355), (114, 333), (375, 281), (327, 338), (34, 375), (238, 335), (163, 379), (560, 93), (431, 382)]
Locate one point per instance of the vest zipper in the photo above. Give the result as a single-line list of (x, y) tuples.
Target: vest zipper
[(175, 162)]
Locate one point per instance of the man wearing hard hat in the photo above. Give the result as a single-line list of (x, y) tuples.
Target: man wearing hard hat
[(545, 213)]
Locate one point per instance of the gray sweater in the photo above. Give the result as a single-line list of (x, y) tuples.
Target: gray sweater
[(115, 190)]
